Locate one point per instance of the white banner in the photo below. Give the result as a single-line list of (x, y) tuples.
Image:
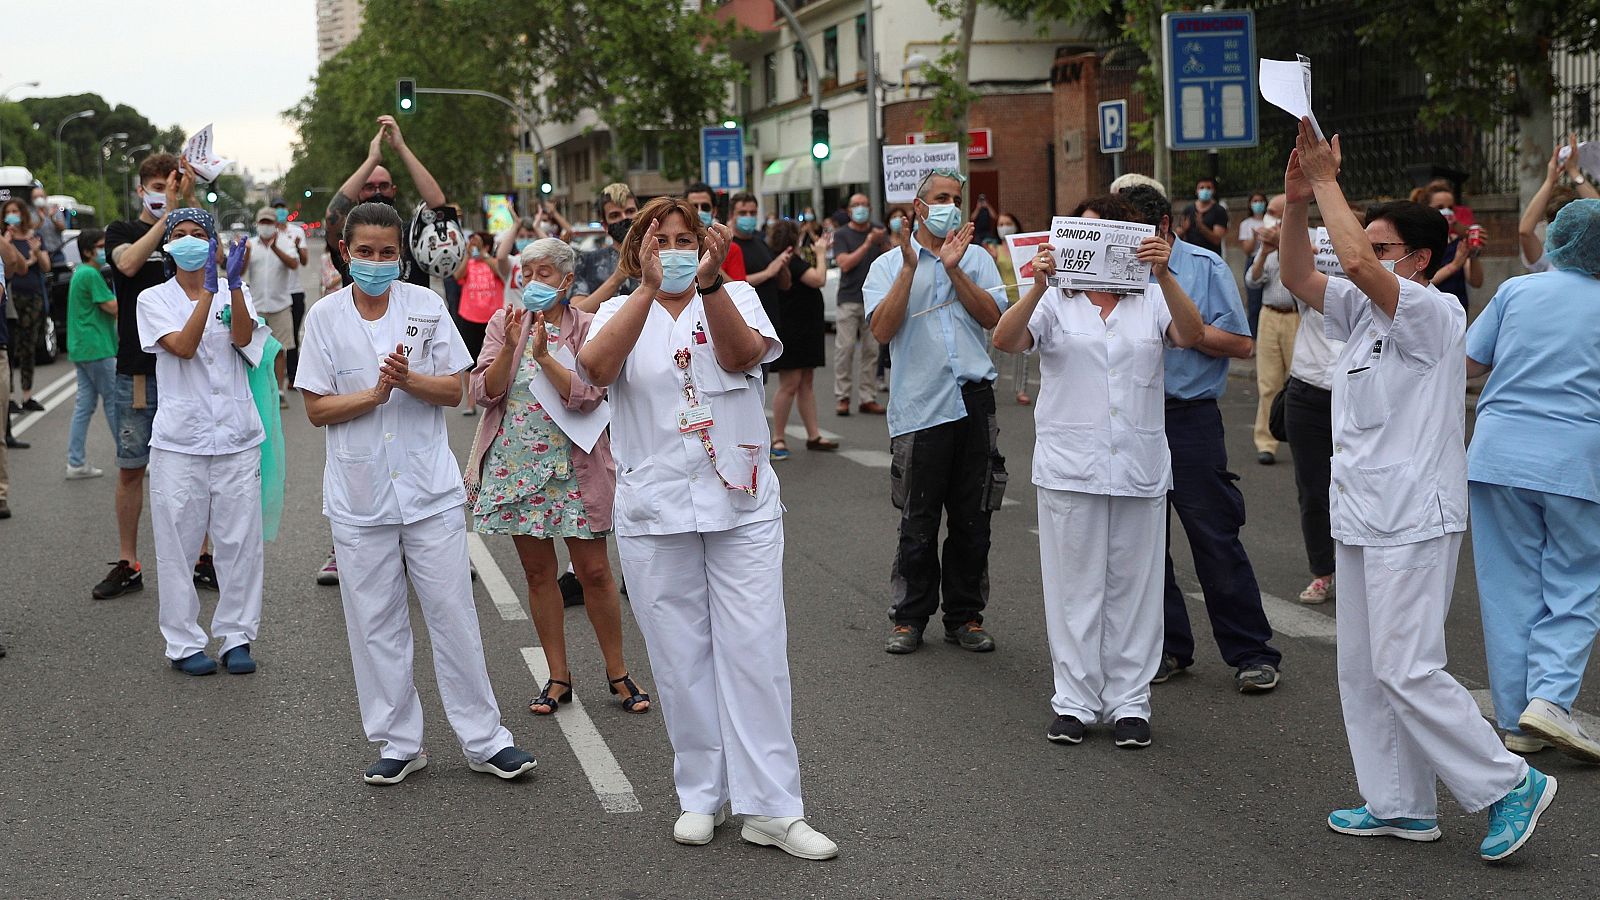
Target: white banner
[(904, 166), (1099, 255)]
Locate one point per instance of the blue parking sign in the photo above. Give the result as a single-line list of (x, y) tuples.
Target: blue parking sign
[(722, 158), (1114, 126), (1209, 76)]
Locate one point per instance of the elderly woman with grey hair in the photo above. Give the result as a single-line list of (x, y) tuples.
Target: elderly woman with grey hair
[(527, 478)]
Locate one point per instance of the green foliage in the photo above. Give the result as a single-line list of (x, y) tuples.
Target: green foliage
[(946, 113), (23, 145)]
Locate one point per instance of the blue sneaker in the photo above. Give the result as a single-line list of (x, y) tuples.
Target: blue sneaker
[(1362, 823), (238, 660), (508, 763), (1513, 817), (195, 664), (394, 771)]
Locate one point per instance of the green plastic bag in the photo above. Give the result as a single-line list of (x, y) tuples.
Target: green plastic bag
[(264, 390)]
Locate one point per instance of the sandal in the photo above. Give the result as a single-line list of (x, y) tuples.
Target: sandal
[(821, 443), (548, 702), (1023, 399), (780, 450), (635, 697)]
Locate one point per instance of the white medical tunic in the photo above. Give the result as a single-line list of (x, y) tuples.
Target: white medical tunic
[(206, 407), (1399, 416), (1101, 417), (666, 483), (393, 465)]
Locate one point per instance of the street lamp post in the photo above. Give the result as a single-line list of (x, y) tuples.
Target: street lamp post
[(127, 166), (874, 152), (5, 94), (61, 172), (100, 157)]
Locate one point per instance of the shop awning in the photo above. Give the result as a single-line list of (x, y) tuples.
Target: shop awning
[(788, 174)]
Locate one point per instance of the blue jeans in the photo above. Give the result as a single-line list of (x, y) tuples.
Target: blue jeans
[(97, 383)]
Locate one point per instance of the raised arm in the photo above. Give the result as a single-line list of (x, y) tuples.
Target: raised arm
[(739, 347), (427, 188), (890, 313), (978, 302), (1187, 329), (1011, 334)]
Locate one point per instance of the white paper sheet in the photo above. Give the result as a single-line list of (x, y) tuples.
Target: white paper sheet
[(582, 428), (202, 158), (1099, 254), (1022, 248), (1327, 261), (1588, 156), (1286, 84)]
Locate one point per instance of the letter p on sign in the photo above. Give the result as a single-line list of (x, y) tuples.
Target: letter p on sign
[(1114, 126)]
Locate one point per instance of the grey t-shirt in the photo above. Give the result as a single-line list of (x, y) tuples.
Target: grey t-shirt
[(847, 240), (594, 267)]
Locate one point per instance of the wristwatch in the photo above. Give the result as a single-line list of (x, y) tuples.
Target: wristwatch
[(1578, 179), (715, 286)]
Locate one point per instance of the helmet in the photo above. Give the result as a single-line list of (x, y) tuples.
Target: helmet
[(436, 240)]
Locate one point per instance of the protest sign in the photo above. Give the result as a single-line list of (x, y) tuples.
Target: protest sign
[(904, 166), (1099, 255), (1588, 157), (1286, 84), (1021, 248), (1327, 262), (202, 158)]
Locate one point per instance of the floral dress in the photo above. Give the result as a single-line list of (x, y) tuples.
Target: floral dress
[(530, 485)]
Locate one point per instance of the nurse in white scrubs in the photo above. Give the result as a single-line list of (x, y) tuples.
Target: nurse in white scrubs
[(700, 525), (205, 447), (1398, 508), (379, 362), (1102, 468)]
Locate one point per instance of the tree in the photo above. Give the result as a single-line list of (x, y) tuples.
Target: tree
[(949, 75), (23, 144)]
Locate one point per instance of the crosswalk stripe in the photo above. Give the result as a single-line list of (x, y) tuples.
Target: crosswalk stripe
[(494, 581), (51, 396), (606, 777)]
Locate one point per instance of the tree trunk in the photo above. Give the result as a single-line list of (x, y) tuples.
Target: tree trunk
[(969, 15), (1535, 131), (1154, 106)]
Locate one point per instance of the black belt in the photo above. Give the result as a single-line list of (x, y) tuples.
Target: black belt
[(1185, 404), (973, 387)]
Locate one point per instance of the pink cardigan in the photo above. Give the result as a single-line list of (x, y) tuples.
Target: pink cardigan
[(596, 471)]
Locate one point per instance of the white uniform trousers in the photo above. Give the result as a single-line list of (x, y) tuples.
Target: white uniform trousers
[(374, 562), (1103, 560), (1408, 721), (191, 496), (710, 606)]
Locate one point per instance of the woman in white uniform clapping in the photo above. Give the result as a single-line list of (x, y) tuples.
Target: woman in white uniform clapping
[(379, 362), (1102, 468), (1397, 510), (700, 525), (205, 446)]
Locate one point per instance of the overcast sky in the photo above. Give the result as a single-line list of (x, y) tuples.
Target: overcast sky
[(242, 64)]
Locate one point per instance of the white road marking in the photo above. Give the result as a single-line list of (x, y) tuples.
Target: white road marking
[(605, 776), (1290, 619), (494, 581), (52, 395), (872, 459), (798, 433)]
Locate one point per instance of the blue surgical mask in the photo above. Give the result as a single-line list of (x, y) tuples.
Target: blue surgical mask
[(283, 215), (678, 268), (189, 252), (475, 253), (1258, 207), (539, 297), (100, 257), (372, 276), (521, 243), (706, 218), (1203, 194), (942, 218), (13, 219), (860, 214), (897, 223), (745, 224)]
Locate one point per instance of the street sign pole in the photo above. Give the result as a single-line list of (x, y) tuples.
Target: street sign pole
[(1114, 133)]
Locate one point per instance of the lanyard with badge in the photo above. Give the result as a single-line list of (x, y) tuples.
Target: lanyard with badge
[(697, 418)]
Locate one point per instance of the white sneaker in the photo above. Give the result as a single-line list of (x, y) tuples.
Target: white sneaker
[(1320, 590), (1523, 743), (76, 473), (696, 829), (1544, 719), (791, 835)]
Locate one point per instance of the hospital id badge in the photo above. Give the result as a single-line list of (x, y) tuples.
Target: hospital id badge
[(695, 418)]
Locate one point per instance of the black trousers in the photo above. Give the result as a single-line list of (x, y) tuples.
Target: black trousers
[(1308, 418), (948, 468), (297, 311), (1211, 509)]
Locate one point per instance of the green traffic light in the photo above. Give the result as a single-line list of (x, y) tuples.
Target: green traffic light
[(405, 103), (819, 150), (211, 196), (308, 195)]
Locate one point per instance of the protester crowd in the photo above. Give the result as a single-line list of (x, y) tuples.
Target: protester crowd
[(625, 391)]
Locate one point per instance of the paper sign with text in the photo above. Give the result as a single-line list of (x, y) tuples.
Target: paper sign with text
[(1099, 255), (1022, 248), (1327, 261), (202, 158), (904, 166)]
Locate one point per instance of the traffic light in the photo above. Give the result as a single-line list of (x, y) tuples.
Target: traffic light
[(819, 135), (211, 196), (405, 95), (308, 194), (544, 181)]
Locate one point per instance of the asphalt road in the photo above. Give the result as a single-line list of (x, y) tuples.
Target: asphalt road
[(124, 778)]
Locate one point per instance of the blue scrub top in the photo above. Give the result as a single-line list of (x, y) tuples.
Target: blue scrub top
[(1539, 415), (1191, 374)]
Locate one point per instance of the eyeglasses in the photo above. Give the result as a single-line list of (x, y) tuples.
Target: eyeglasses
[(377, 186), (1380, 249)]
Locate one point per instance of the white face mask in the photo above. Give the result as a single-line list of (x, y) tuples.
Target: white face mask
[(1390, 263), (1269, 220), (267, 232), (1006, 230), (154, 203)]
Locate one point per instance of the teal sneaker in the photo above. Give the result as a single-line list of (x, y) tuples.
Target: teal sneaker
[(1513, 817), (1364, 824)]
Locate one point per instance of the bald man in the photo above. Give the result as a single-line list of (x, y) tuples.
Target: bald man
[(372, 182)]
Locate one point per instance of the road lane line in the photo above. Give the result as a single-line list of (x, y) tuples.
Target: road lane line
[(798, 433), (605, 775), (494, 581), (1290, 619), (51, 396), (872, 459)]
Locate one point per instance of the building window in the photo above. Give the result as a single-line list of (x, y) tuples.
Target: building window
[(649, 157), (802, 76), (769, 80), (1582, 109), (862, 50), (830, 54)]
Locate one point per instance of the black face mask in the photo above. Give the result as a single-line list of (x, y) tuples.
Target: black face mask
[(619, 229), (380, 198)]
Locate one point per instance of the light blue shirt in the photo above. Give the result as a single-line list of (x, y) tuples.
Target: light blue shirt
[(1539, 414), (1191, 374), (939, 346)]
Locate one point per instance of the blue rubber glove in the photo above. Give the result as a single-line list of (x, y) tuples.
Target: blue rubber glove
[(211, 267), (236, 255)]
